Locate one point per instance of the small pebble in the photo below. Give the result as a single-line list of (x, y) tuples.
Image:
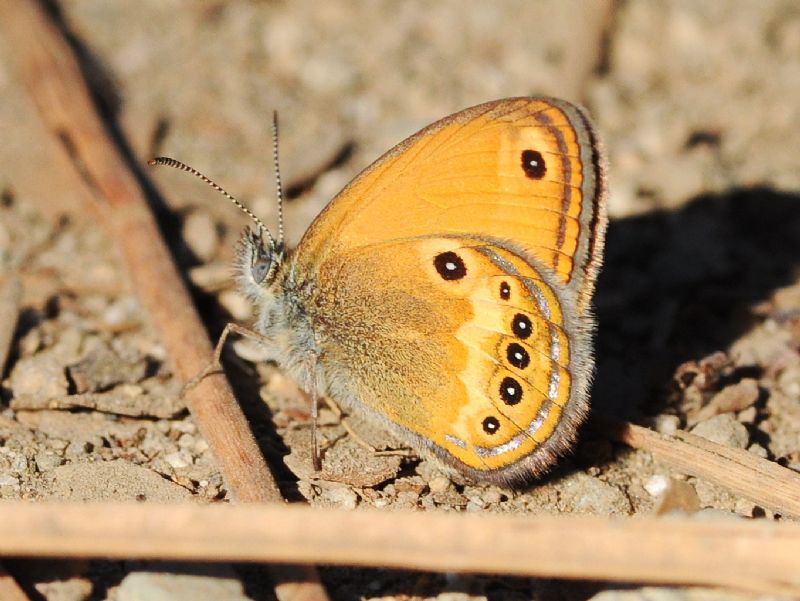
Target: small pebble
[(178, 459), (656, 485), (30, 343), (473, 507), (200, 234), (667, 424), (211, 276), (8, 479), (217, 582), (413, 484), (407, 498), (736, 397), (677, 496), (439, 484), (186, 441), (39, 376), (123, 311), (789, 382), (47, 461), (250, 350), (723, 429), (582, 493), (477, 500), (19, 463), (747, 416), (236, 304), (341, 496), (184, 427), (758, 450), (77, 448), (57, 444), (492, 496), (745, 508)]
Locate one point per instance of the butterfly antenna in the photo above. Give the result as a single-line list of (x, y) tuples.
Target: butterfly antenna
[(278, 186), (170, 162)]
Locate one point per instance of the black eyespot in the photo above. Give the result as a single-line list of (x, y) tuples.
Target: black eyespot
[(510, 391), (518, 356), (491, 425), (505, 291), (533, 164), (450, 266), (521, 326)]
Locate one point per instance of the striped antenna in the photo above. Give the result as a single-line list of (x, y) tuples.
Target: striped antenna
[(278, 186), (170, 162)]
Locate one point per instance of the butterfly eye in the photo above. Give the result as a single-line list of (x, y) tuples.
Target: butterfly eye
[(261, 268), (264, 258)]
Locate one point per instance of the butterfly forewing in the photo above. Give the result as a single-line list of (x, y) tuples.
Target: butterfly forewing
[(525, 169)]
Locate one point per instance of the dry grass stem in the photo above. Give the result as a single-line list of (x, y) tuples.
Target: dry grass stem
[(763, 482), (748, 554)]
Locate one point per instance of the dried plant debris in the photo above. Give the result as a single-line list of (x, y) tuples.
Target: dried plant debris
[(87, 395)]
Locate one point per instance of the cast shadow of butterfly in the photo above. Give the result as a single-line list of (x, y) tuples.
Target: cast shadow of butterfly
[(678, 285)]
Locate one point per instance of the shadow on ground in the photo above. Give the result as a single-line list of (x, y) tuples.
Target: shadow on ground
[(679, 285)]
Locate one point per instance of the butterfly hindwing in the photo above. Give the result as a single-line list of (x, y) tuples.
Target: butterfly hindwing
[(474, 355)]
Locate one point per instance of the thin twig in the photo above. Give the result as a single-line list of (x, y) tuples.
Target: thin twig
[(49, 70), (756, 555), (764, 482)]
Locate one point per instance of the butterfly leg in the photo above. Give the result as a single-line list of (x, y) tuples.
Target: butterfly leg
[(311, 387), (342, 417), (216, 364)]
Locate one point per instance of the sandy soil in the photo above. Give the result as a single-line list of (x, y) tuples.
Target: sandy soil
[(698, 304)]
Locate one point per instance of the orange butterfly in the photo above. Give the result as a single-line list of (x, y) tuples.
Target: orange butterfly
[(446, 291)]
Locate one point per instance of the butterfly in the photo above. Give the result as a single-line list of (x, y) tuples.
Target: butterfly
[(446, 291)]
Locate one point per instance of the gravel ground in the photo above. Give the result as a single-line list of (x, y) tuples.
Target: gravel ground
[(698, 303)]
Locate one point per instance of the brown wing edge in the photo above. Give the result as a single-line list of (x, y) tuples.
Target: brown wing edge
[(594, 215)]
